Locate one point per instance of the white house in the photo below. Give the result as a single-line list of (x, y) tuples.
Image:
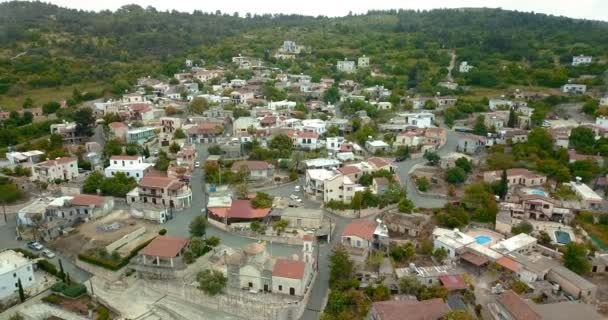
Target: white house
[(314, 125), (315, 181), (132, 98), (363, 62), (604, 100), (284, 104), (321, 163), (377, 146), (465, 67), (451, 240), (574, 88), (24, 157), (521, 243), (496, 103), (581, 59), (306, 140), (589, 198), (63, 168), (131, 166), (602, 122), (333, 144), (340, 188), (14, 267), (256, 169), (347, 66)]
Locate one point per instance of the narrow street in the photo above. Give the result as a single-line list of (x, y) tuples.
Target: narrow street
[(404, 168)]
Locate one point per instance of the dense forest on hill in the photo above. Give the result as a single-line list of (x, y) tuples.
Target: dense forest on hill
[(45, 46)]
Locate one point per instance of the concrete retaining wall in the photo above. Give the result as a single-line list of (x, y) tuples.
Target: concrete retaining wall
[(127, 238), (362, 213), (99, 271)]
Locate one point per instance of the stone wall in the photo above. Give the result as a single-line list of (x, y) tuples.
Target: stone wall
[(126, 239)]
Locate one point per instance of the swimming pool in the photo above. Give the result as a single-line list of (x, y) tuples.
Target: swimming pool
[(538, 192), (562, 237), (483, 239)]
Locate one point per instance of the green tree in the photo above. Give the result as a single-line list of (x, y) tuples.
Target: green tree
[(403, 152), (423, 184), (480, 198), (512, 122), (375, 260), (544, 238), (341, 269), (458, 315), (112, 147), (28, 103), (174, 147), (502, 187), (432, 157), (179, 134), (409, 285), (575, 258), (85, 120), (21, 292), (331, 95), (280, 226), (582, 139), (215, 150), (197, 246), (406, 205), (455, 175), (403, 253), (198, 105), (211, 282), (241, 191), (61, 271), (522, 227), (198, 227), (50, 107), (262, 200), (440, 254), (590, 107), (479, 128), (464, 163)]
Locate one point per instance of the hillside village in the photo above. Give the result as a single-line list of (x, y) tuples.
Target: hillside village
[(241, 190)]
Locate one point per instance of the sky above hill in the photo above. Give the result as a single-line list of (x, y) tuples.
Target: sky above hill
[(584, 9)]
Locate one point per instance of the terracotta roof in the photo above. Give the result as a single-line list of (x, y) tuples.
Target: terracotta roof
[(474, 258), (124, 157), (251, 165), (378, 162), (52, 163), (118, 125), (160, 182), (240, 209), (361, 228), (165, 246), (453, 282), (87, 200), (346, 170), (291, 269), (307, 237), (308, 134), (517, 307), (433, 309), (509, 264)]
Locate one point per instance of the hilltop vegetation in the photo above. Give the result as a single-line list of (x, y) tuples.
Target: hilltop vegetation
[(45, 46)]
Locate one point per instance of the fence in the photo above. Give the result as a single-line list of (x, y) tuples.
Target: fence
[(361, 213)]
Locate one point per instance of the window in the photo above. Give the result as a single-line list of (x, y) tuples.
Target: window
[(30, 279), (14, 275), (280, 288), (86, 211), (115, 162)]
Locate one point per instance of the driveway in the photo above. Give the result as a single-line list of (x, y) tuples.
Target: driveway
[(403, 169)]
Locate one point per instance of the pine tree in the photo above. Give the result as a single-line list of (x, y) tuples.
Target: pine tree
[(512, 119), (61, 272), (504, 185), (21, 293)]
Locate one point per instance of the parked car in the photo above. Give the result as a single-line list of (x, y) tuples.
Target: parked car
[(48, 253), (400, 159), (197, 164), (297, 189), (34, 245)]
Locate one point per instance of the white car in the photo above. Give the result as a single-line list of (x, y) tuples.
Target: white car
[(297, 189), (48, 253), (197, 164), (295, 198)]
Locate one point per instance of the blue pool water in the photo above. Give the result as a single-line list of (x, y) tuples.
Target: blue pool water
[(562, 237), (483, 239), (538, 192)]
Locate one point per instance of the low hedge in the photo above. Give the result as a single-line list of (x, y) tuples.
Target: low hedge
[(112, 265), (26, 253), (52, 299), (73, 290), (48, 267)]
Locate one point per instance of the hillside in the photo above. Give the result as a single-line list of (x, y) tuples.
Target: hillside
[(45, 46)]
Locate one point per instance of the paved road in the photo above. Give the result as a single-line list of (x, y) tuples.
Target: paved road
[(179, 225), (8, 240), (404, 168)]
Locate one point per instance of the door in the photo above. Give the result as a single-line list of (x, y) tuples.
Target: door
[(292, 291), (265, 288)]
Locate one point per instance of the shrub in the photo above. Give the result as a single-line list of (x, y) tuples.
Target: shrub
[(26, 253), (52, 299), (48, 267), (92, 258), (73, 291), (162, 232), (103, 313)]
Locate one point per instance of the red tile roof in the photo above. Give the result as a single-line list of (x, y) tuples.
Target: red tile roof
[(433, 309), (361, 228), (165, 246), (160, 182), (291, 269), (240, 209), (59, 161), (378, 162), (346, 170), (118, 125), (87, 200), (517, 307), (308, 134), (381, 181), (453, 282), (509, 264), (251, 165), (124, 157)]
